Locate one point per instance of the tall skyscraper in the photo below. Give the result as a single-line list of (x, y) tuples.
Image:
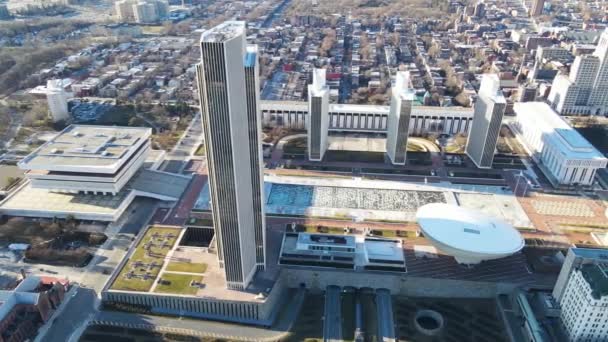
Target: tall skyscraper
[(398, 124), (254, 124), (231, 125), (479, 10), (537, 8), (583, 91), (487, 119), (317, 125)]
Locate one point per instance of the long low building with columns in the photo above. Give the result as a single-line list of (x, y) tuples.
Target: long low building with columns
[(368, 118), (564, 155)]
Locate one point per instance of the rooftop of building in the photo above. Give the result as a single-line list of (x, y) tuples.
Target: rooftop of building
[(596, 275), (79, 148), (161, 264), (599, 254), (569, 141), (147, 182), (223, 32), (343, 251), (364, 108), (34, 200)]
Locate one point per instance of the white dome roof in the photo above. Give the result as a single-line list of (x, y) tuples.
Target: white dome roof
[(468, 235)]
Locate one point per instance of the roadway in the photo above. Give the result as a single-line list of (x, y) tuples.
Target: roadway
[(332, 321), (177, 158), (82, 307)]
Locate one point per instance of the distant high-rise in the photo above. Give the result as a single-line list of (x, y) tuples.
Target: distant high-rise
[(141, 11), (399, 114), (317, 125), (537, 8), (487, 119), (227, 82), (527, 92), (124, 10), (145, 12), (57, 99), (583, 91), (479, 10)]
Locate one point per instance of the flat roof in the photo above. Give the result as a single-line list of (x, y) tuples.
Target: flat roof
[(364, 108), (168, 186), (224, 31), (39, 202), (568, 140), (325, 239), (352, 250), (6, 172), (468, 230), (158, 255), (86, 148)]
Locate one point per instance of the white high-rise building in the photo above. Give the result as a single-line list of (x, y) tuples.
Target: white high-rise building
[(141, 11), (231, 124), (397, 128), (124, 10), (145, 12), (57, 99), (582, 293), (564, 155), (317, 126), (583, 91), (489, 110)]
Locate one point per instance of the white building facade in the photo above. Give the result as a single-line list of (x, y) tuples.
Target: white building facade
[(57, 99), (583, 91), (368, 118), (582, 293), (227, 120), (399, 115), (561, 152), (489, 111), (584, 311)]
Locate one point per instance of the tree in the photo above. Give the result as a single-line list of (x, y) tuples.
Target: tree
[(463, 99)]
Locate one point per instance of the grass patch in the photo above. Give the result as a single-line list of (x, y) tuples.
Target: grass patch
[(204, 222), (178, 266), (178, 283), (384, 233), (152, 30), (156, 255), (296, 146), (200, 150)]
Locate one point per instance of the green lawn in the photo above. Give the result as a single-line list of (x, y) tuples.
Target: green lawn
[(296, 146), (179, 284), (156, 255), (200, 150), (178, 266)]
